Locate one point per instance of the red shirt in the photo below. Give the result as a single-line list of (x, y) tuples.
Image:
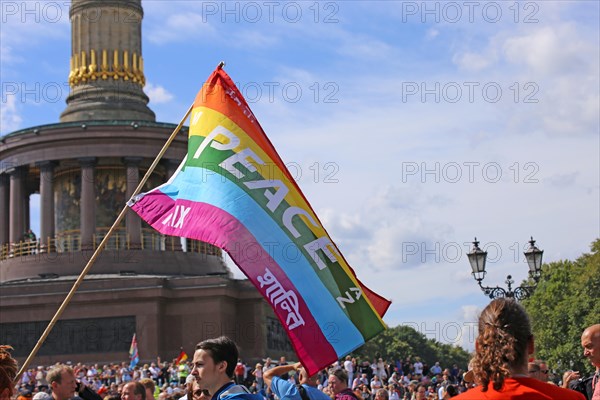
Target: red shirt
[(346, 394), (240, 369), (521, 389)]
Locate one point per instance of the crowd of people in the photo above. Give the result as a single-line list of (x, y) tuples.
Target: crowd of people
[(501, 368)]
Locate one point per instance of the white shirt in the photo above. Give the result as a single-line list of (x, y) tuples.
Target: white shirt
[(418, 368), (348, 366)]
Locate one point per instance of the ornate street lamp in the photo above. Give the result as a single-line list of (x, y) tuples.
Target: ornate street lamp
[(533, 255)]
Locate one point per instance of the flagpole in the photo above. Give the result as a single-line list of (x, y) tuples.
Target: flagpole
[(101, 246)]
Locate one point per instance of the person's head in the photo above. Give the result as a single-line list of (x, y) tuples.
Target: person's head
[(214, 362), (538, 369), (134, 391), (544, 370), (590, 341), (8, 372), (305, 379), (450, 391), (61, 379), (195, 392), (338, 380), (42, 396), (149, 386), (503, 344), (381, 394), (421, 391)]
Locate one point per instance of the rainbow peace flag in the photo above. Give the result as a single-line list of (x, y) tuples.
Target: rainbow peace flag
[(233, 190), (134, 357)]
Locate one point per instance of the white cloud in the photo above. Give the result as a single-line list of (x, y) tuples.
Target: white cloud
[(180, 28), (26, 26), (470, 312), (549, 49), (564, 66), (470, 316), (564, 180), (432, 33), (7, 55), (551, 71), (361, 46), (252, 39), (10, 118), (387, 232), (473, 61), (158, 94)]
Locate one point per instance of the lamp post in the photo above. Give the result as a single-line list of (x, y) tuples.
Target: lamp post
[(477, 258)]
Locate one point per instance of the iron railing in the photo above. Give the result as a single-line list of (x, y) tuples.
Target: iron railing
[(70, 241)]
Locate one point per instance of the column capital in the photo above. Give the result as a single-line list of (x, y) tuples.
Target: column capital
[(12, 171), (170, 163), (132, 161), (87, 161), (171, 167), (46, 165)]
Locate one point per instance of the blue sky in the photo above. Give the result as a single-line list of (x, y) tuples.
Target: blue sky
[(411, 126)]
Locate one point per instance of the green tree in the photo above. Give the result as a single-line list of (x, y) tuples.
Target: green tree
[(565, 302), (402, 341)]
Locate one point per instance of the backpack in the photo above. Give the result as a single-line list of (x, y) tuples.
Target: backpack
[(302, 391), (234, 389)]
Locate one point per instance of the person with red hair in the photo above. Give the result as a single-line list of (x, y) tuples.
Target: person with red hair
[(502, 348)]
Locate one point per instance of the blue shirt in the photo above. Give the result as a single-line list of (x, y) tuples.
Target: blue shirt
[(231, 391), (288, 391)]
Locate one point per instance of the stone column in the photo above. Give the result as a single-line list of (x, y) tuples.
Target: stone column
[(87, 202), (46, 206), (4, 211), (132, 220), (16, 213), (26, 196), (171, 166), (107, 67)]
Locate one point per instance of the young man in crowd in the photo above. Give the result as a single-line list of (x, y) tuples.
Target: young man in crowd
[(213, 366)]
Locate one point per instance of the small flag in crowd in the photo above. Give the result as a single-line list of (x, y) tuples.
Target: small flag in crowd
[(181, 358), (234, 191), (134, 358)]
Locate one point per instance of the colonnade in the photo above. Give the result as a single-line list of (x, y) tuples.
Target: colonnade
[(14, 202)]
